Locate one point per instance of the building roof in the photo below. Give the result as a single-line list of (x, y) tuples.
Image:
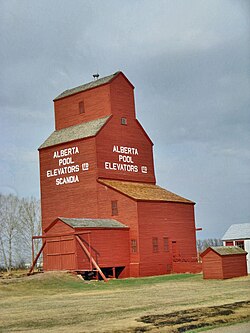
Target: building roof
[(92, 223), (237, 231), (80, 131), (224, 250), (143, 191), (86, 86)]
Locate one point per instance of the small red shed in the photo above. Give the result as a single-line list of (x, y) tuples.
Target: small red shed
[(224, 262), (78, 244)]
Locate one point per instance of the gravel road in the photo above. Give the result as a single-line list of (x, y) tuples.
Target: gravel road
[(238, 328)]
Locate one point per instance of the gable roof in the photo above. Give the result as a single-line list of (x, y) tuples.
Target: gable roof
[(90, 85), (224, 250), (92, 223), (143, 191), (80, 131), (237, 231)]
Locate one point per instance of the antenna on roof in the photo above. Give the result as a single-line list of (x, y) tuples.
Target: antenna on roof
[(95, 76)]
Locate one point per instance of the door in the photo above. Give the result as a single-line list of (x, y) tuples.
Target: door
[(175, 251)]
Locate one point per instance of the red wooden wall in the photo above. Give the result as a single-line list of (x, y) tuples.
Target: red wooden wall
[(97, 104), (234, 266), (146, 220), (109, 248), (130, 135), (69, 200), (60, 252), (174, 221), (127, 214), (212, 266)]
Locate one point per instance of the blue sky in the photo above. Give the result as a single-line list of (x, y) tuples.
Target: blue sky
[(189, 62)]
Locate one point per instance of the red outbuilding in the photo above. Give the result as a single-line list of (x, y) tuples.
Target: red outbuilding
[(224, 262), (98, 165), (71, 243)]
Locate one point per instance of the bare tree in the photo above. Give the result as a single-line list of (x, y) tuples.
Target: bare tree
[(19, 221), (3, 257), (30, 223), (9, 218), (203, 244), (199, 244)]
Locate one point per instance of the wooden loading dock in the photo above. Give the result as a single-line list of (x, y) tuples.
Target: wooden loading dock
[(78, 245), (98, 166)]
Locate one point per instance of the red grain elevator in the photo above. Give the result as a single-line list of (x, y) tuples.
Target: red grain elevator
[(98, 166)]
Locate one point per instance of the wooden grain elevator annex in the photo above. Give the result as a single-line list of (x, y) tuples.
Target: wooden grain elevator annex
[(98, 190)]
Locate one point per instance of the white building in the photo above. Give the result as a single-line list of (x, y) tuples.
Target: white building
[(239, 235)]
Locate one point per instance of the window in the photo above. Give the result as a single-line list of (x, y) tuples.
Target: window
[(81, 107), (114, 207), (133, 245), (124, 121), (240, 244), (155, 244), (165, 244), (229, 243)]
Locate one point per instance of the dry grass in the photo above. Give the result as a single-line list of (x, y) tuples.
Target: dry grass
[(58, 302)]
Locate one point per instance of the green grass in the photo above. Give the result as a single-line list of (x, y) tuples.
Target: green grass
[(70, 283)]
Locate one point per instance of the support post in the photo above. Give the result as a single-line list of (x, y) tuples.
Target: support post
[(90, 262), (36, 258), (91, 258), (33, 256)]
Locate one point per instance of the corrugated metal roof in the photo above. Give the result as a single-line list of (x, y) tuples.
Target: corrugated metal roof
[(227, 250), (86, 86), (144, 191), (237, 231), (80, 131), (92, 223)]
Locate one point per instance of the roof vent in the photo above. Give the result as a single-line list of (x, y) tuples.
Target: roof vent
[(95, 76)]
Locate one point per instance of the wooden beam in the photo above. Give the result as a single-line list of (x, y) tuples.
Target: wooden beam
[(91, 258), (33, 256), (36, 258), (62, 235), (90, 262)]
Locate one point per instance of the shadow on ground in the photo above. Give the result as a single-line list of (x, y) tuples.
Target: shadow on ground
[(186, 320)]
